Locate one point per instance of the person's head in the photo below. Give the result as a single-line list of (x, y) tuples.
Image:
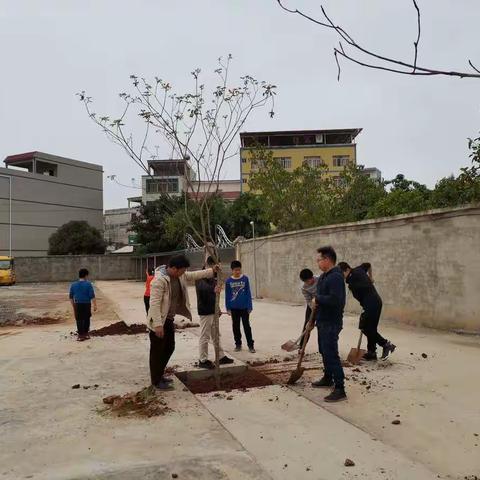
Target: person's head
[(306, 276), (177, 265), (345, 268), (210, 262), (236, 267), (326, 258), (83, 273), (151, 271)]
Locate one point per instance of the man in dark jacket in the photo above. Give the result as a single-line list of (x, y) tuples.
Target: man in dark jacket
[(360, 283), (206, 289), (330, 302)]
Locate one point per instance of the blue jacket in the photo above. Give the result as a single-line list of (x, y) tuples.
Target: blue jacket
[(237, 294), (82, 291), (330, 297)]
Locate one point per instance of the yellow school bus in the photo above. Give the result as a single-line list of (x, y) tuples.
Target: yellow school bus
[(7, 271)]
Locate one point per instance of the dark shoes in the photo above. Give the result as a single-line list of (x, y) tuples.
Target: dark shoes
[(388, 348), (337, 395), (252, 350), (323, 382), (371, 356), (226, 360), (167, 380), (238, 348), (164, 385), (206, 364)]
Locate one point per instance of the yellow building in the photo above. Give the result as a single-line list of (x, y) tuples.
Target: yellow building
[(333, 148)]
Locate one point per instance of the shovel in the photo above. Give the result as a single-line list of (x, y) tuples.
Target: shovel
[(356, 354), (298, 372), (292, 345)]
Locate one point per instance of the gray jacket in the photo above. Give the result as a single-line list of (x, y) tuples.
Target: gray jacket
[(309, 291)]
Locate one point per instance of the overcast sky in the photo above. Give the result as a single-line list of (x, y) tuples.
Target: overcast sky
[(51, 49)]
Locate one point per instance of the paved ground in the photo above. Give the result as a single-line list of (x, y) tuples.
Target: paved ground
[(49, 431)]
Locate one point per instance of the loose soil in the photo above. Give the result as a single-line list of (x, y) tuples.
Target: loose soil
[(119, 328), (241, 381), (21, 320), (184, 325), (145, 403)]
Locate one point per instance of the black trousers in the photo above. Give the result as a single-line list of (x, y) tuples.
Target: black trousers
[(146, 301), (368, 324), (161, 349), (244, 317), (328, 333), (308, 312), (83, 312)]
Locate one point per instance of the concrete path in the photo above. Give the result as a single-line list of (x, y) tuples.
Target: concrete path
[(49, 431)]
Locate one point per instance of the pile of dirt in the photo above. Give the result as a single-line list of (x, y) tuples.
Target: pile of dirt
[(144, 403), (183, 325), (261, 363), (241, 381), (119, 328), (20, 319)]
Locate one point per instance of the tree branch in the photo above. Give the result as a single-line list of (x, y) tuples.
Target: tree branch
[(389, 64)]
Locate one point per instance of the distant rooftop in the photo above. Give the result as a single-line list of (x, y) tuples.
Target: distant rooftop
[(299, 138), (353, 131), (21, 158)]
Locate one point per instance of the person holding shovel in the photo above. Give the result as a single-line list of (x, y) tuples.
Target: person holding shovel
[(309, 289), (360, 283), (168, 297), (329, 303)]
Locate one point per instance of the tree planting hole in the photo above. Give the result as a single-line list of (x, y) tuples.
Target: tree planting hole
[(230, 379)]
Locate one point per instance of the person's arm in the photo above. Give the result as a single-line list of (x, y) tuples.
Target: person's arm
[(157, 297), (308, 296), (228, 296), (93, 298), (198, 274), (336, 292), (71, 295), (249, 295)]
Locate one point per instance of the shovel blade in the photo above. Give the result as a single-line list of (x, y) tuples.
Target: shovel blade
[(290, 346), (295, 375), (355, 355)]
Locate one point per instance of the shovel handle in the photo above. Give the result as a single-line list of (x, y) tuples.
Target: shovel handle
[(359, 341), (306, 333)]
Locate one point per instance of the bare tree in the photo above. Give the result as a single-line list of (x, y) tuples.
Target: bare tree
[(355, 52), (200, 128)]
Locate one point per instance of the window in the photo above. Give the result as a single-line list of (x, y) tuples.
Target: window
[(244, 160), (244, 180), (164, 185), (284, 162), (341, 160), (45, 168), (257, 164), (313, 162)]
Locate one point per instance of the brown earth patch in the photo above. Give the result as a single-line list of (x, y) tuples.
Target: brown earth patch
[(249, 378), (119, 328), (145, 403)]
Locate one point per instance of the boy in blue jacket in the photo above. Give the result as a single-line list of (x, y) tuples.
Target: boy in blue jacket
[(82, 296), (238, 300)]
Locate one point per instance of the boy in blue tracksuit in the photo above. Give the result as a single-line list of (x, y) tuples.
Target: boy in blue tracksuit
[(238, 301), (82, 296)]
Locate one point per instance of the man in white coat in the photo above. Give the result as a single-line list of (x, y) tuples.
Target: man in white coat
[(168, 297)]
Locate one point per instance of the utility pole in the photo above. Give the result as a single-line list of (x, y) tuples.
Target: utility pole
[(9, 212), (252, 223)]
